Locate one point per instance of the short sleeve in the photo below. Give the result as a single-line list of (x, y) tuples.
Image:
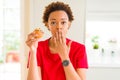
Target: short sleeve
[(81, 59), (39, 54)]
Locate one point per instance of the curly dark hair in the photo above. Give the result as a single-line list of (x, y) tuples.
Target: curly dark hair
[(55, 6)]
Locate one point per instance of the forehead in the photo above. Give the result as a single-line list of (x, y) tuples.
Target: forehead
[(58, 15)]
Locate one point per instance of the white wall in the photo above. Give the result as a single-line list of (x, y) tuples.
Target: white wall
[(25, 28), (103, 9)]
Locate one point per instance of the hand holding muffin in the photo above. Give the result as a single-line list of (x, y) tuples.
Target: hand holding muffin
[(33, 37)]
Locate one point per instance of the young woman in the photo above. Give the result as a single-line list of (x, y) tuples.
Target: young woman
[(56, 58)]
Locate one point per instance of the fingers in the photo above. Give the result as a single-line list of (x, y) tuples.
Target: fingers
[(31, 36), (30, 42), (54, 40), (57, 36), (60, 38), (63, 37), (31, 39)]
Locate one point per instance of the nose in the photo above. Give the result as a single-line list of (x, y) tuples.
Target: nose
[(59, 26)]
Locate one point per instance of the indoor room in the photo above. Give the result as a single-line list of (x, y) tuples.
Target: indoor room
[(96, 25)]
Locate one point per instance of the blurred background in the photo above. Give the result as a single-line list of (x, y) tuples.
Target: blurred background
[(10, 39), (96, 25)]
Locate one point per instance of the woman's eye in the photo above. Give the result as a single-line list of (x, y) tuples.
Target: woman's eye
[(63, 22), (53, 23)]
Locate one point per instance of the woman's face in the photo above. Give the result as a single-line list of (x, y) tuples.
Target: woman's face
[(58, 21)]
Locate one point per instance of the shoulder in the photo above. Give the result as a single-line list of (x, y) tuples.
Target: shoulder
[(43, 43), (77, 47), (76, 44)]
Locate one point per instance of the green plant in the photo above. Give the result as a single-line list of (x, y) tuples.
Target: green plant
[(95, 42)]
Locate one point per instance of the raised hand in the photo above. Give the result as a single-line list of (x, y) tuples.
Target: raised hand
[(59, 44), (33, 38)]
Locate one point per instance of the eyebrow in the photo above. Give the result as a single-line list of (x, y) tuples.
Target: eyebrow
[(61, 19)]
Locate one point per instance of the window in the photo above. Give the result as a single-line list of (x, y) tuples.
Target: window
[(102, 33), (103, 41), (9, 39)]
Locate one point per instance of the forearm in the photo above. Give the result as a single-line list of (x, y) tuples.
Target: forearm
[(69, 70), (33, 72)]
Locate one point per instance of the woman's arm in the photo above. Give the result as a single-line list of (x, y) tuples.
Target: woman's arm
[(34, 72), (72, 74), (82, 73)]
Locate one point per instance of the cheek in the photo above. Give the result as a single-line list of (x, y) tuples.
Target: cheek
[(66, 29), (52, 30)]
